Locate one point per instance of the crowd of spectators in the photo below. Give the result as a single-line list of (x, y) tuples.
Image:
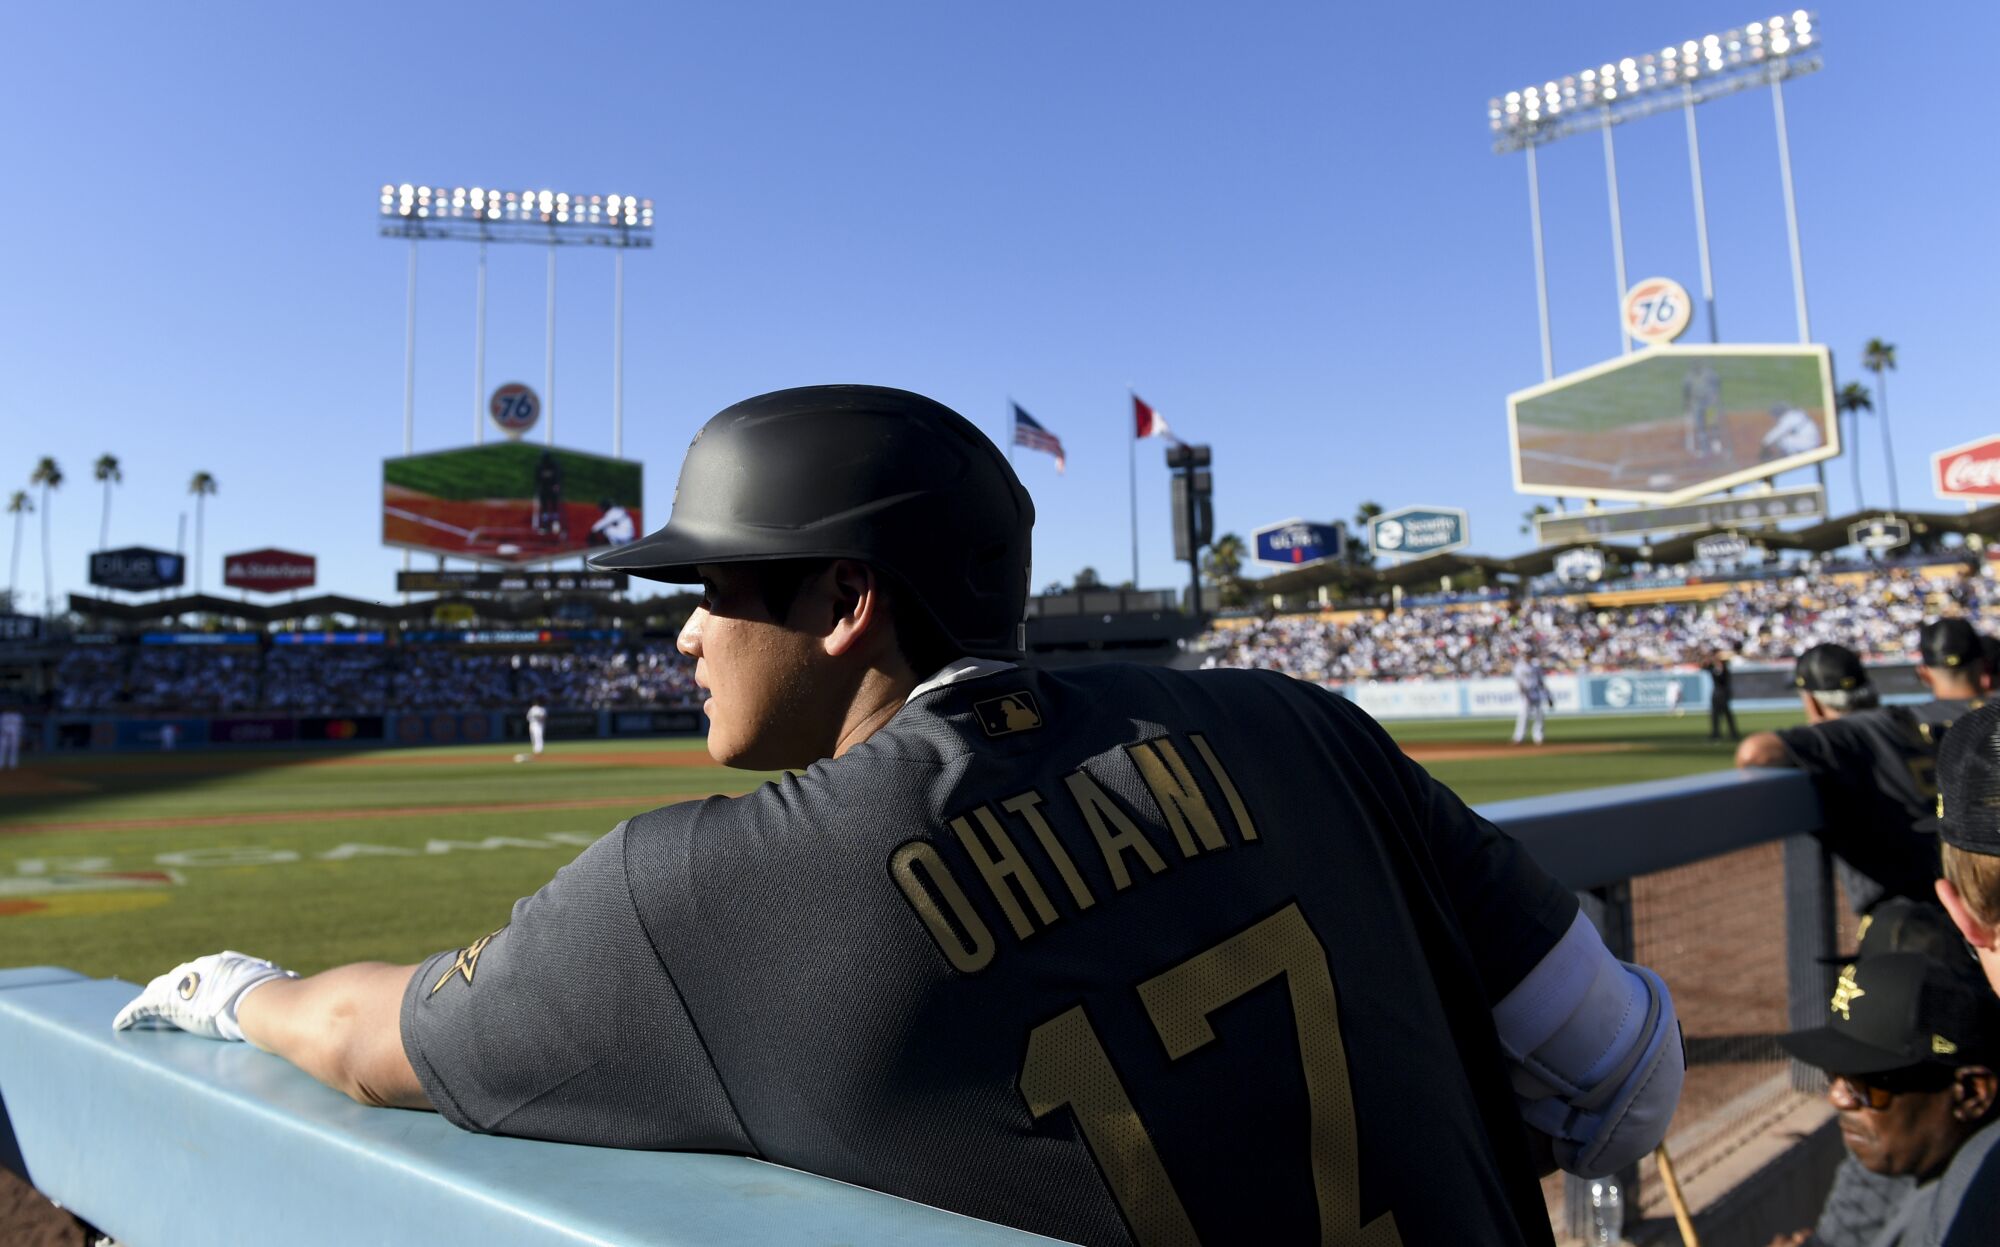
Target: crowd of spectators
[(324, 679), (606, 676), (1771, 620), (351, 679), (193, 679)]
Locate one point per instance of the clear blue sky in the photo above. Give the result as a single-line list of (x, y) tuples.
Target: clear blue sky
[(1282, 224)]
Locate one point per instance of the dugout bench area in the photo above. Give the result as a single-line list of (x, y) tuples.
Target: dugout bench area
[(160, 1138)]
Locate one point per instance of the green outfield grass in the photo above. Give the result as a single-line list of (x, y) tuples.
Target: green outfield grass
[(127, 864)]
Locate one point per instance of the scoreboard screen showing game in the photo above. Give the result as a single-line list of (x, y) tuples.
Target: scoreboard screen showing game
[(510, 502), (1669, 423)]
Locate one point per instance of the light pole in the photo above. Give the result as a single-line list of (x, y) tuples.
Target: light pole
[(546, 218), (1678, 76)]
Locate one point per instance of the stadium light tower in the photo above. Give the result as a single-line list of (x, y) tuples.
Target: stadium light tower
[(1677, 76), (549, 218)]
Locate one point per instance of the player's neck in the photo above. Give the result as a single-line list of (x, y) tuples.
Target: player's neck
[(881, 693)]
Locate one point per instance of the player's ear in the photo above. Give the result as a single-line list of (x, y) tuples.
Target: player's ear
[(853, 605), (1975, 1092), (1976, 933)]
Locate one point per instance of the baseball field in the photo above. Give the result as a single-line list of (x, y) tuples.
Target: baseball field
[(126, 864)]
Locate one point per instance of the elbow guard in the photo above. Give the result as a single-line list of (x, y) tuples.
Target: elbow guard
[(1596, 1053)]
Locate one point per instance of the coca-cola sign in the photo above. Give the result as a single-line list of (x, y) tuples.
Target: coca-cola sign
[(269, 571), (1971, 471)]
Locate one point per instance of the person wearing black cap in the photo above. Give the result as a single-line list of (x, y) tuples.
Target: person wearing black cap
[(1910, 1048), (1861, 1200), (1098, 953), (1874, 768), (1951, 662), (1969, 831)]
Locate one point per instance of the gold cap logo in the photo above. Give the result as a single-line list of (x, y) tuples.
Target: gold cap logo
[(1845, 993), (1942, 1046)]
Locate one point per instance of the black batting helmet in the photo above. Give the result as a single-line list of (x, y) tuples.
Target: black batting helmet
[(890, 478)]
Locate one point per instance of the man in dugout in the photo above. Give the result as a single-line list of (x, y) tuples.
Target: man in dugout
[(1875, 769), (1969, 834), (1120, 955), (1910, 1047), (1951, 662), (1862, 1201)]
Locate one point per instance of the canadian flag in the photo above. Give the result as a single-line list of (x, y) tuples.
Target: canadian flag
[(1148, 421)]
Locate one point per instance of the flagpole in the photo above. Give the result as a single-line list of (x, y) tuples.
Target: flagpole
[(1132, 478), (1010, 432)]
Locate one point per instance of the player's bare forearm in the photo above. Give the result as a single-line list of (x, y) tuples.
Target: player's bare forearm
[(1762, 749), (342, 1027)]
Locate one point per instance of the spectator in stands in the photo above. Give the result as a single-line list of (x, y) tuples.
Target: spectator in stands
[(1910, 1048), (1861, 1200), (1969, 829), (1874, 769), (1719, 699), (1950, 661)]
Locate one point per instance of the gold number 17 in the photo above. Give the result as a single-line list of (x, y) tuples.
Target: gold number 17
[(1067, 1065)]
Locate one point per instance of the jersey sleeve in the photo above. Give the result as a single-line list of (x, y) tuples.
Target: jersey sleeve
[(1819, 748), (564, 1025), (1511, 912)]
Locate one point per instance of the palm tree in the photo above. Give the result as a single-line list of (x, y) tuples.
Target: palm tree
[(1358, 551), (201, 487), (48, 475), (108, 473), (1879, 357), (1224, 565), (18, 505), (1854, 399), (1528, 517)]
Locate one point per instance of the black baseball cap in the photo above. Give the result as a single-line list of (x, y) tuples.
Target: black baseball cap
[(1829, 668), (1989, 648), (1901, 924), (1949, 643), (1901, 1010), (1968, 775)]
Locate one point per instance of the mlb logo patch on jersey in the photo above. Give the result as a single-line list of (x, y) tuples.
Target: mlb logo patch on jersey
[(1004, 716)]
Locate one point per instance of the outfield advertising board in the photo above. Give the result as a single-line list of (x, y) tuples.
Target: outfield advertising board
[(1298, 543), (137, 569), (1969, 472), (269, 570), (1417, 531), (510, 502), (1804, 502), (1674, 422), (1646, 692)]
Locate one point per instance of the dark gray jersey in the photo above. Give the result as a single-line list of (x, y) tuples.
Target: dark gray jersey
[(1876, 771), (1118, 955), (1939, 713)]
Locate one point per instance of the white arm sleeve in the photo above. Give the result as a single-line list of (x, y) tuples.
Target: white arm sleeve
[(1596, 1053)]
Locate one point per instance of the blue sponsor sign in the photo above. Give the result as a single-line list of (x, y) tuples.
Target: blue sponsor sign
[(1417, 531), (1296, 543), (1641, 693), (137, 569)]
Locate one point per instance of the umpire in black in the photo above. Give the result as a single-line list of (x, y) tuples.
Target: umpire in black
[(1119, 955), (1876, 771), (1719, 694)]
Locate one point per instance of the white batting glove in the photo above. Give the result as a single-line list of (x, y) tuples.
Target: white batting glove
[(200, 996)]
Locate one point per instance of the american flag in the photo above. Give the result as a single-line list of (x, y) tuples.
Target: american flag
[(1028, 432)]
